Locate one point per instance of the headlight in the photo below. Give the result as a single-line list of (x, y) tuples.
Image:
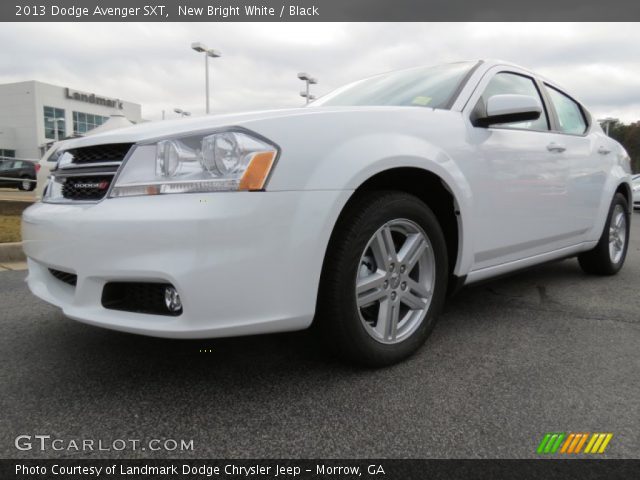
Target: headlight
[(234, 160)]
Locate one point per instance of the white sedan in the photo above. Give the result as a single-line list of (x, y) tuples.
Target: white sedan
[(636, 191), (358, 213)]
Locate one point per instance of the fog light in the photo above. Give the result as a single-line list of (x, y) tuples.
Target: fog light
[(172, 300)]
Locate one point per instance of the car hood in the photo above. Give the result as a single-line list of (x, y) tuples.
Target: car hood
[(158, 129)]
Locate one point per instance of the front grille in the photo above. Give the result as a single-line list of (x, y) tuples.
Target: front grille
[(86, 188), (113, 152), (139, 297), (68, 278), (88, 176)]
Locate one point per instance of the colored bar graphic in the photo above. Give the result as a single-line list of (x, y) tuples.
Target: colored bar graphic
[(543, 443), (556, 445), (594, 437), (596, 446), (551, 442), (567, 442), (581, 443), (572, 443), (598, 442), (606, 441)]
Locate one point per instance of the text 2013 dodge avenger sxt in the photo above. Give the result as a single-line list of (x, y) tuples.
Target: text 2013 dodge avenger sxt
[(359, 212)]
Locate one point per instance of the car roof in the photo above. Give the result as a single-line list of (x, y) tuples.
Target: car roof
[(492, 62)]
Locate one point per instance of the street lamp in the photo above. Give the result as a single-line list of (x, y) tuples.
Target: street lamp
[(55, 122), (182, 113), (208, 52), (309, 80), (606, 123)]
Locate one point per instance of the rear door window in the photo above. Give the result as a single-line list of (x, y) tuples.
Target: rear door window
[(571, 118)]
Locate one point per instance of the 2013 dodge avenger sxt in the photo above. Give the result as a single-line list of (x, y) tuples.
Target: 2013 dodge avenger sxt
[(359, 212)]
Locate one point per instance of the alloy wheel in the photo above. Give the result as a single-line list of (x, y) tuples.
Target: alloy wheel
[(395, 281), (617, 233)]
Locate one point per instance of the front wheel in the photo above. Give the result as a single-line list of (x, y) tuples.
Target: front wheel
[(384, 279), (609, 254)]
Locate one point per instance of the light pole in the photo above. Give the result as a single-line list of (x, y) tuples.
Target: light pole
[(309, 80), (55, 122), (182, 113), (208, 52), (606, 122)]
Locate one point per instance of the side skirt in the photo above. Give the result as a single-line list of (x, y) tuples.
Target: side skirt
[(509, 267)]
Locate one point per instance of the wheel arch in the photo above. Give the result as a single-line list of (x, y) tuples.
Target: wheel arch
[(436, 193), (625, 190)]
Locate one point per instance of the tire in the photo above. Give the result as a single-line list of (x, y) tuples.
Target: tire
[(26, 186), (364, 333), (605, 259)]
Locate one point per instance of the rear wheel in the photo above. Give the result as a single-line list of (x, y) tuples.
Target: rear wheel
[(26, 184), (609, 254), (384, 278)]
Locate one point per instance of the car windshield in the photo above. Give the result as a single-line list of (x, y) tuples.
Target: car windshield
[(430, 87)]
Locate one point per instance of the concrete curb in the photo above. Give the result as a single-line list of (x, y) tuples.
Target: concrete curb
[(11, 252)]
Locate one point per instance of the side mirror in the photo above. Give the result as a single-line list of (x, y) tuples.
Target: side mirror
[(509, 108)]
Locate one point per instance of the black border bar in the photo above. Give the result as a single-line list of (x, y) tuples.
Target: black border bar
[(318, 10), (373, 469)]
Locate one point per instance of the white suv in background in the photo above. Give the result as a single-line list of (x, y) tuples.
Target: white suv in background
[(359, 212)]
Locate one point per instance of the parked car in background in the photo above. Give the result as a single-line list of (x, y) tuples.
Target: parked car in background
[(358, 213), (636, 191), (17, 173)]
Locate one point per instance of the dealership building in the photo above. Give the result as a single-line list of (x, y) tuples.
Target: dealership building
[(34, 114)]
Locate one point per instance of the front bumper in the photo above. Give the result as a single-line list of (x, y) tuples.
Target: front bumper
[(242, 262)]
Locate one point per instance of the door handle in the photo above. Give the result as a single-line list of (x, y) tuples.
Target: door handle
[(555, 147), (603, 151)]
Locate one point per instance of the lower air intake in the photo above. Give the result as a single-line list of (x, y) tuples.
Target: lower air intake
[(140, 297)]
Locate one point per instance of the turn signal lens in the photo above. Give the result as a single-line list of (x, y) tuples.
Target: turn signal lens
[(255, 176)]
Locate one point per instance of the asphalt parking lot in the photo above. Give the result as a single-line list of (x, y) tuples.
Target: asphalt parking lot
[(547, 350)]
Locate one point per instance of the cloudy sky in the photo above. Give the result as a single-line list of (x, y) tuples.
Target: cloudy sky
[(153, 64)]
